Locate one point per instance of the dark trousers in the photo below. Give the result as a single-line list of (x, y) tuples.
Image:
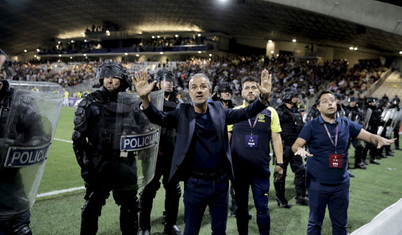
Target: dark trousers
[(96, 198), (172, 196), (396, 135), (260, 188), (297, 166), (337, 199), (358, 150), (17, 225), (200, 193)]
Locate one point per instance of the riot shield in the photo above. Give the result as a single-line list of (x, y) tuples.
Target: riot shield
[(367, 118), (394, 117), (25, 142), (385, 117), (136, 136)]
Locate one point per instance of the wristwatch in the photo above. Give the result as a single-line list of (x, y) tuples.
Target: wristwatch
[(282, 165)]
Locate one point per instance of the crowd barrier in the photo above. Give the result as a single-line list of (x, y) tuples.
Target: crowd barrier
[(386, 222)]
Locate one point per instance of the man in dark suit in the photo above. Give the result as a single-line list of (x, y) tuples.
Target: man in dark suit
[(202, 154)]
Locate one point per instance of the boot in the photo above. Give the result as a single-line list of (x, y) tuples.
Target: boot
[(171, 230), (129, 221), (302, 200)]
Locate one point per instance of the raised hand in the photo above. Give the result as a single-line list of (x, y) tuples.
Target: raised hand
[(266, 83), (141, 84)]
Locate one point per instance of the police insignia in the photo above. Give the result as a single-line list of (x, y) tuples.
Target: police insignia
[(26, 156), (137, 142)]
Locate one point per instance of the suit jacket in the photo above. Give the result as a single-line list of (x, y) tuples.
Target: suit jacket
[(183, 119)]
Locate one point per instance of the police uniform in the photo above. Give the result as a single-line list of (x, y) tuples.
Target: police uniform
[(251, 166), (313, 113), (102, 167), (355, 114), (374, 123), (395, 104), (291, 123), (14, 205), (173, 191)]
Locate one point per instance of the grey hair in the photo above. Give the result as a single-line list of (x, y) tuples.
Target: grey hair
[(200, 75)]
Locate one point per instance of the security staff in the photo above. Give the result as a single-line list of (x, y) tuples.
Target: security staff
[(102, 167), (355, 114), (291, 123), (165, 79), (250, 151), (328, 182)]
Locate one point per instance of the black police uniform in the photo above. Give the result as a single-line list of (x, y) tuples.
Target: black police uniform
[(313, 113), (356, 114), (27, 131), (102, 168), (173, 191), (395, 104), (374, 123), (291, 123), (219, 88)]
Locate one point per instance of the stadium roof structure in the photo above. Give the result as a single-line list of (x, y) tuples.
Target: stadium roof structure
[(366, 24)]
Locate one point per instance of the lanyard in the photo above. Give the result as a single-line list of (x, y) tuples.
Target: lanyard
[(336, 136), (252, 126)]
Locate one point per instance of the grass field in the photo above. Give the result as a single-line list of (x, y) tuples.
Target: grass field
[(372, 190)]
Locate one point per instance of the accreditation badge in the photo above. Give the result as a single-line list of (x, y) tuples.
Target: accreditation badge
[(251, 141), (335, 160)]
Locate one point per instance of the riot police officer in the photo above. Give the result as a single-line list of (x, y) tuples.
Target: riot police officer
[(166, 81), (291, 123), (313, 113), (354, 113), (374, 123), (13, 219), (26, 129), (103, 167), (223, 93), (340, 98), (395, 102), (18, 222)]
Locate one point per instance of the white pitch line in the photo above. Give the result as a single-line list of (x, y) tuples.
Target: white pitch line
[(62, 140), (59, 192)]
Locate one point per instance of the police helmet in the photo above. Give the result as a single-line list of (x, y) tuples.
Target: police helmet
[(353, 99), (222, 87), (288, 93), (339, 96), (371, 100), (164, 74), (110, 69), (395, 101), (382, 103)]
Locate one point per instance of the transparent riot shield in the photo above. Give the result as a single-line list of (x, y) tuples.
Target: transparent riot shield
[(26, 135), (136, 136)]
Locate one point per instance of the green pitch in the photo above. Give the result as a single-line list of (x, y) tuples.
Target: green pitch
[(371, 191)]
